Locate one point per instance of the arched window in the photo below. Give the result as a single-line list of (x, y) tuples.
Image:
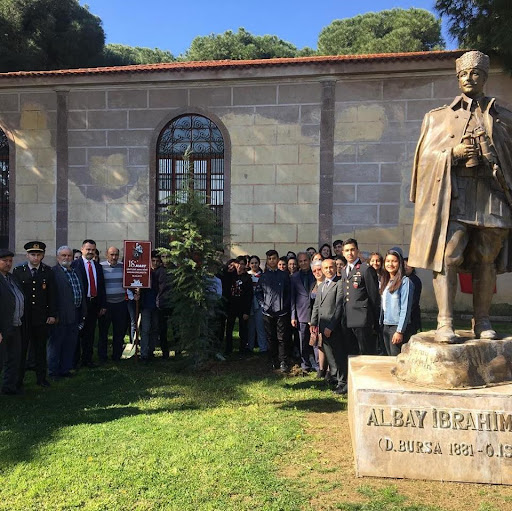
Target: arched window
[(4, 190), (205, 145)]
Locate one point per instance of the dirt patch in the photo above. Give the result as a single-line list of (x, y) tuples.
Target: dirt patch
[(328, 470)]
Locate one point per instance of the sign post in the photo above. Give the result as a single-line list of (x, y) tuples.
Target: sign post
[(137, 275)]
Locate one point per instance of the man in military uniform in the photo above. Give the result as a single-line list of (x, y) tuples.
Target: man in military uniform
[(461, 184), (38, 284), (361, 302)]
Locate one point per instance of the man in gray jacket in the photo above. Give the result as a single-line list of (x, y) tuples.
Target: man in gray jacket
[(326, 321)]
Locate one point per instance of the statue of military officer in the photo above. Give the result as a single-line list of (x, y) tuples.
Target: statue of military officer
[(461, 186)]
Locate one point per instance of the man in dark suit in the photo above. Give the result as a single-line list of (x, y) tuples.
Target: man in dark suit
[(326, 321), (301, 283), (38, 284), (12, 304), (91, 274), (361, 303), (273, 295), (71, 310)]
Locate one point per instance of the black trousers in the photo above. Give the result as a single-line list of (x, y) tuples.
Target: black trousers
[(86, 336), (163, 318), (355, 341), (10, 355), (35, 336), (242, 330), (278, 337)]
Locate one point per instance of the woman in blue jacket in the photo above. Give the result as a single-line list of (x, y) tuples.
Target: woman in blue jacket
[(396, 303)]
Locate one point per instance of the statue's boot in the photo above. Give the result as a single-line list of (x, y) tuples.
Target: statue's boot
[(484, 281), (445, 289)]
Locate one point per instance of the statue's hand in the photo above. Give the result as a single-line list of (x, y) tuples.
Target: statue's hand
[(464, 152)]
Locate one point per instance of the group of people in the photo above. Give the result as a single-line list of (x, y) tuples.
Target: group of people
[(51, 314), (321, 307), (317, 307)]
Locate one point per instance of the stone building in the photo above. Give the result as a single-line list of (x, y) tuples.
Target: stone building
[(290, 152)]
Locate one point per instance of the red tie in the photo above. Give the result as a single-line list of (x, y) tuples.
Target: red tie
[(92, 283)]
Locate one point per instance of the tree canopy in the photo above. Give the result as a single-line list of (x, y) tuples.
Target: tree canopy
[(241, 45), (391, 31), (48, 34), (480, 24), (122, 55)]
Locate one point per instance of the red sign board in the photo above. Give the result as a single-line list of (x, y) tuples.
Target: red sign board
[(137, 264)]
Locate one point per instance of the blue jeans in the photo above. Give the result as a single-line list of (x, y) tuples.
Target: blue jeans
[(257, 328), (308, 359)]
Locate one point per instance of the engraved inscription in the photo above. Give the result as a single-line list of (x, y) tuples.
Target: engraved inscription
[(440, 419)]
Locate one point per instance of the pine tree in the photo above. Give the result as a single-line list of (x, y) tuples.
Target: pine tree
[(192, 258)]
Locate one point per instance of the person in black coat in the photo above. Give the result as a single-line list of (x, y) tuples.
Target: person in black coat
[(38, 284), (12, 304), (415, 325), (273, 294), (360, 322), (91, 274), (239, 306)]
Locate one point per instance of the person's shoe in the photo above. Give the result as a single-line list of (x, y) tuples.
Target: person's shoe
[(220, 357), (341, 389), (43, 383), (484, 330), (67, 375), (446, 335), (283, 368), (91, 365), (320, 373)]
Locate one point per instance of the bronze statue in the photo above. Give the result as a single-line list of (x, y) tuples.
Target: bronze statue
[(461, 186)]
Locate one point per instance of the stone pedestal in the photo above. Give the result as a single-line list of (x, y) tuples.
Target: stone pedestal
[(403, 430), (470, 363)]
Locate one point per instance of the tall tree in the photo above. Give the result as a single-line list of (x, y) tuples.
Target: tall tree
[(48, 34), (391, 31), (240, 45), (480, 24), (192, 259), (122, 55)]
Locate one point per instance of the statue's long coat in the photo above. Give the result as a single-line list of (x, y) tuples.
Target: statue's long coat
[(432, 185)]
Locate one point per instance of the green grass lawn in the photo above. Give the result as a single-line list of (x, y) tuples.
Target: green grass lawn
[(131, 436)]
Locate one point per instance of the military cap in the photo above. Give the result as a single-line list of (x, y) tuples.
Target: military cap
[(5, 252), (34, 246), (471, 60)]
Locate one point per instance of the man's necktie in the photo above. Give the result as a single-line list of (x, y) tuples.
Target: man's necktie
[(34, 272), (92, 282)]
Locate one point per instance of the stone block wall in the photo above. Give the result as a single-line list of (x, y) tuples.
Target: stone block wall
[(30, 121), (377, 126), (309, 158), (273, 171)]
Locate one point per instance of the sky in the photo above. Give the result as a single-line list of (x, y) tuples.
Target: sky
[(171, 25)]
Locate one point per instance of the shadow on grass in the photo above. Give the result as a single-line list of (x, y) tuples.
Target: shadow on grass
[(325, 405), (116, 391)]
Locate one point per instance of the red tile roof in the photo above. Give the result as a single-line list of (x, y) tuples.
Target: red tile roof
[(227, 64)]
